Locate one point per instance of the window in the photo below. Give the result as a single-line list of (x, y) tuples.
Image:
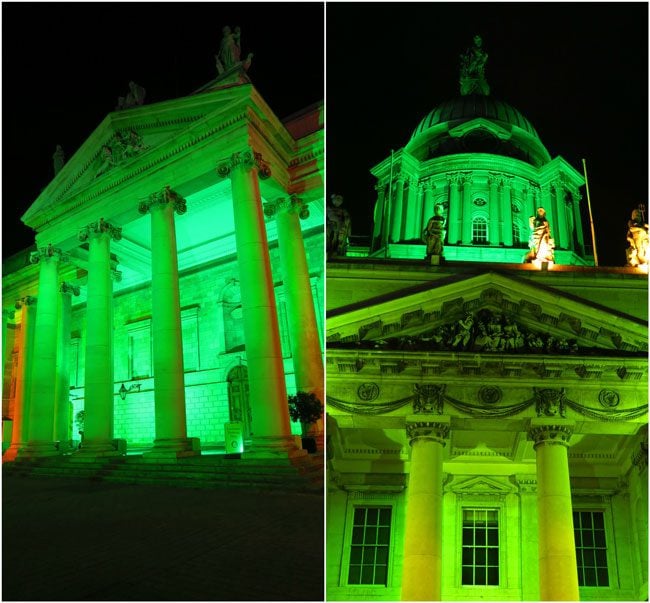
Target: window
[(190, 330), (480, 562), (479, 230), (370, 546), (591, 548), (518, 233), (139, 338)]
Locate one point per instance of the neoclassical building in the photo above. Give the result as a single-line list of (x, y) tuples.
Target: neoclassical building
[(486, 417), (175, 286)]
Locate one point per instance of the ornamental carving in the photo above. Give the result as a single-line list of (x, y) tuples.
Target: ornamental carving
[(248, 160), (286, 204), (427, 430), (368, 392), (428, 399), (28, 300), (550, 434), (609, 398), (550, 402), (640, 455), (489, 394), (69, 289), (162, 198), (120, 148), (46, 253), (98, 228)]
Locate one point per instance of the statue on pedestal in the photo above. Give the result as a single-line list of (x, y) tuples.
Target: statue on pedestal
[(472, 70), (230, 51), (637, 238), (541, 244), (434, 234), (58, 159), (135, 97), (338, 227)]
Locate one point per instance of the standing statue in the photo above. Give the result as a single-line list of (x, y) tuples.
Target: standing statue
[(135, 97), (338, 227), (230, 51), (637, 238), (472, 70), (434, 235), (541, 244), (58, 159)]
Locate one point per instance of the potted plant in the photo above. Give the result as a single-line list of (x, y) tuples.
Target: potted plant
[(306, 408)]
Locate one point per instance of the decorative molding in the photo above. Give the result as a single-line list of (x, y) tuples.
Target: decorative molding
[(162, 198), (550, 435), (489, 394), (428, 399), (368, 392), (609, 398), (116, 275), (550, 402), (291, 204), (247, 160), (98, 228), (69, 289), (28, 300), (640, 455), (427, 430), (48, 253)]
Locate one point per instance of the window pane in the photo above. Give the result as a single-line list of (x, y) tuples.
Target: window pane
[(355, 554), (468, 537), (382, 555), (603, 578), (368, 555), (598, 521), (599, 538), (588, 558), (587, 538), (367, 574), (380, 574), (586, 520), (371, 519), (601, 558), (383, 535), (480, 556), (384, 517), (579, 560), (590, 576), (479, 573), (354, 574), (493, 576), (493, 537), (480, 537), (357, 535), (468, 555), (359, 517), (493, 557), (468, 575), (371, 536)]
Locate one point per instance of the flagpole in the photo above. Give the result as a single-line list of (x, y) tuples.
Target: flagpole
[(591, 218), (387, 206)]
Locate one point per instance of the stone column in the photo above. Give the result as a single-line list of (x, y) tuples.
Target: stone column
[(270, 427), (412, 229), (98, 424), (467, 210), (494, 228), (422, 570), (529, 537), (453, 236), (303, 328), (395, 224), (43, 382), (427, 204), (168, 373), (378, 217), (545, 200), (529, 204), (22, 397), (577, 221), (8, 343), (558, 573), (506, 213), (562, 230), (62, 409)]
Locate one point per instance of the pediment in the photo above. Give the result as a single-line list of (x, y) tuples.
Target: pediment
[(490, 313), (481, 486), (130, 141)]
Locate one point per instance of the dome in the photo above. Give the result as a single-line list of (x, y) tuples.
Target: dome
[(440, 132)]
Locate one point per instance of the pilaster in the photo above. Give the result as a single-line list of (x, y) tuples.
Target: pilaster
[(466, 219), (494, 228), (454, 232)]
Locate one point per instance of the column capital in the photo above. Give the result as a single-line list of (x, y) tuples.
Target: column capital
[(98, 228), (436, 431), (291, 204), (454, 178), (162, 198), (116, 275), (640, 455), (48, 253), (550, 432), (69, 289), (248, 160), (28, 300), (8, 314)]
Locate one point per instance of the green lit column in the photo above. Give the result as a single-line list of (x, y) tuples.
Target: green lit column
[(546, 198), (379, 223), (413, 229), (396, 212), (7, 317), (529, 204), (506, 212), (558, 572), (640, 504), (467, 210), (62, 410), (453, 236), (168, 373), (562, 228), (22, 396), (43, 381), (427, 205), (303, 329), (271, 426), (577, 221), (422, 573), (98, 424), (494, 231)]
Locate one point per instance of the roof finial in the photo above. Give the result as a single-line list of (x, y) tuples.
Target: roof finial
[(472, 70)]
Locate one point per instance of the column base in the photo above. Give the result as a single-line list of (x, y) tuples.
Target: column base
[(99, 449), (273, 447), (34, 450), (170, 449)]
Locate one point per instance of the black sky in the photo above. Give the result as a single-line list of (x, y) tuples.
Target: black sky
[(65, 64), (578, 72)]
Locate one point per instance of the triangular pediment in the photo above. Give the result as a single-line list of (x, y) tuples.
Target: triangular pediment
[(481, 485), (489, 313), (131, 141)]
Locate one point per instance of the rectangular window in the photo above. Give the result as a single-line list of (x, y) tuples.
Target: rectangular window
[(139, 334), (480, 561), (370, 546), (479, 230), (591, 548), (190, 328)]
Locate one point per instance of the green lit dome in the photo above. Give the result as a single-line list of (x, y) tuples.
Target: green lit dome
[(503, 130)]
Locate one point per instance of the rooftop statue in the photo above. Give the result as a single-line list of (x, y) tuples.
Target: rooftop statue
[(338, 227), (58, 159), (541, 243), (135, 97), (637, 238), (434, 234), (472, 70), (230, 51)]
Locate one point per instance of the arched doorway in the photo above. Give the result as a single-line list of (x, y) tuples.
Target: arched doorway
[(238, 404)]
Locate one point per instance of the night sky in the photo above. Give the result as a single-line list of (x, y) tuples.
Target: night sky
[(578, 72), (65, 64)]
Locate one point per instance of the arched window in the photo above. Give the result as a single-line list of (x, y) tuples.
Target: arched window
[(479, 230), (519, 234)]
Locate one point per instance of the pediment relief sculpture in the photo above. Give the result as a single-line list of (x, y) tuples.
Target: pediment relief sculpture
[(121, 147)]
